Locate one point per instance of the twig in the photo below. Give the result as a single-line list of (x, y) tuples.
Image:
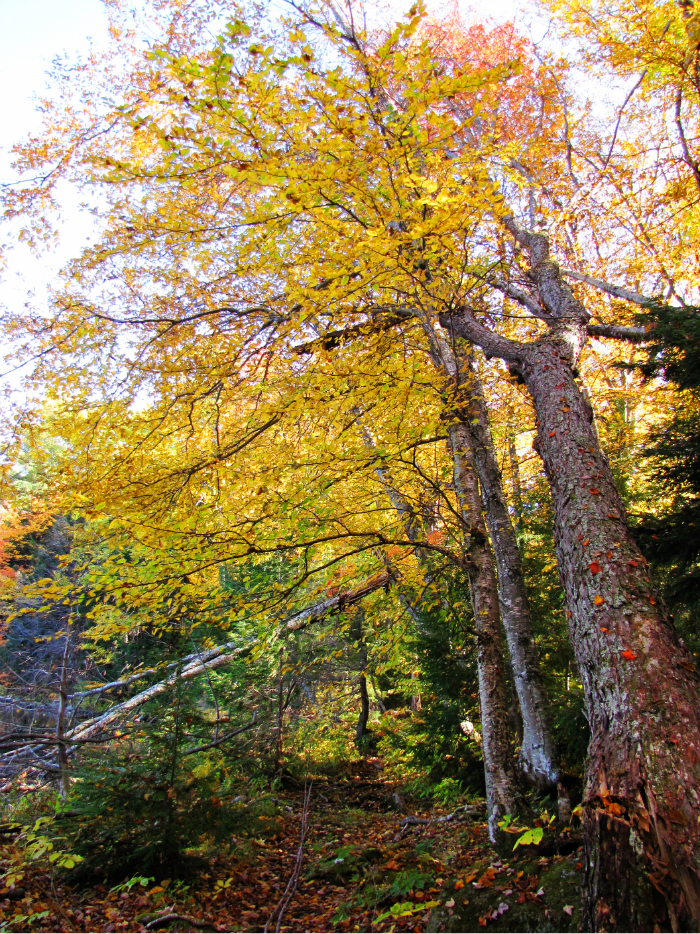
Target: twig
[(466, 808), (282, 904)]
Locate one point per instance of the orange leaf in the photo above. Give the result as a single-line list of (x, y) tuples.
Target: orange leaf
[(595, 567), (392, 864), (551, 435), (603, 629), (598, 600), (628, 655), (594, 491)]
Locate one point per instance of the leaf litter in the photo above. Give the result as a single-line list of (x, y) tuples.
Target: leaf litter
[(362, 869)]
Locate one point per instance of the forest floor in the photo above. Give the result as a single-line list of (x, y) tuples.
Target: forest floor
[(362, 870)]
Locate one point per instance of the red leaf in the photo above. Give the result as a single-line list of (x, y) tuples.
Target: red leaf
[(595, 567), (552, 434), (594, 491), (628, 655)]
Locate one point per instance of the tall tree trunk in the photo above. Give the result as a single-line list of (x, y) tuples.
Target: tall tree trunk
[(538, 758), (502, 792), (641, 808)]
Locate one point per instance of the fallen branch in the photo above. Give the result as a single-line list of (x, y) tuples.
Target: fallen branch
[(335, 603), (189, 671), (171, 916), (468, 809), (139, 675), (281, 905)]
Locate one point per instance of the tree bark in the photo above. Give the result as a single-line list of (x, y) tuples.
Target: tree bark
[(502, 792), (641, 808), (364, 709), (538, 756)]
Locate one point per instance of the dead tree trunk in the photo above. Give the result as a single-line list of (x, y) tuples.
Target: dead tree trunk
[(642, 791)]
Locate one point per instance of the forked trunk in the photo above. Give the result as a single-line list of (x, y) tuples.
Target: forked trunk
[(502, 792), (538, 757), (641, 808)]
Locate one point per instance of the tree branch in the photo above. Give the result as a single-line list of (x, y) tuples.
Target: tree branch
[(335, 603), (615, 290), (223, 739)]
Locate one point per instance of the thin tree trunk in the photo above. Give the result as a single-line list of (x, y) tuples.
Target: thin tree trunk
[(364, 710), (538, 758), (280, 716), (61, 721), (502, 792), (641, 808)]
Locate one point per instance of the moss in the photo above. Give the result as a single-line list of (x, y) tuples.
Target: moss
[(560, 879)]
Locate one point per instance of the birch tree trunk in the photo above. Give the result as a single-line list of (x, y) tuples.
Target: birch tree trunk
[(641, 808), (502, 792), (538, 758)]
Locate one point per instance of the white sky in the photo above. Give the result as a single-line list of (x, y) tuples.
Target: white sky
[(32, 33)]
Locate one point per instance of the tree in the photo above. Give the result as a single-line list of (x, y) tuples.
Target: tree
[(374, 183)]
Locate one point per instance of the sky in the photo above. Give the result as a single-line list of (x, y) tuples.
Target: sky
[(32, 33)]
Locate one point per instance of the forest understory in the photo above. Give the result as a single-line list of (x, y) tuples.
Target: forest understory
[(350, 478), (372, 860)]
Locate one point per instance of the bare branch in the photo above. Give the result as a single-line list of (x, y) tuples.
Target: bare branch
[(617, 291)]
